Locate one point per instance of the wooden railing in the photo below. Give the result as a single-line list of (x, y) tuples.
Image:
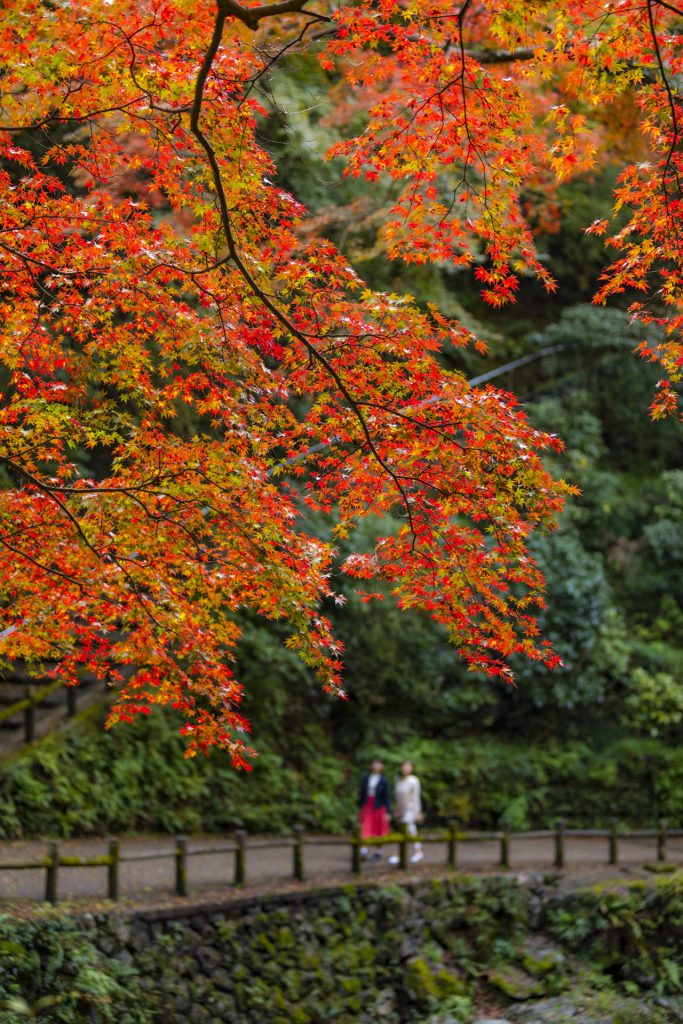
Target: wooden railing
[(34, 696), (453, 837)]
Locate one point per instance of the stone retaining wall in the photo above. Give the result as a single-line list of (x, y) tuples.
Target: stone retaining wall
[(391, 953), (358, 954)]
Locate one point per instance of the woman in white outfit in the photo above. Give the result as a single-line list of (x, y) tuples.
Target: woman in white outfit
[(408, 807)]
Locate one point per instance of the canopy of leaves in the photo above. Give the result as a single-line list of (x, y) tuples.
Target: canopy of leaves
[(191, 368)]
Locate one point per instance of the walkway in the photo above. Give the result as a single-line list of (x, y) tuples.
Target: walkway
[(271, 860)]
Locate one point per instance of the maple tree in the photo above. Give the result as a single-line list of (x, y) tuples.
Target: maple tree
[(187, 370)]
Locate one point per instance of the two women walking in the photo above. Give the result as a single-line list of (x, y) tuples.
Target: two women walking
[(374, 805)]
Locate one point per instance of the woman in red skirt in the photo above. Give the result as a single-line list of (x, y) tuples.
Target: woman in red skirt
[(374, 806)]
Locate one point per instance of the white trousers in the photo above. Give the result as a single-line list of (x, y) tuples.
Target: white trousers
[(411, 829)]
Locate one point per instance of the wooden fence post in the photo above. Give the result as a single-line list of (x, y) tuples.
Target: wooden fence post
[(559, 844), (403, 848), (113, 870), (240, 857), (51, 868), (505, 849), (29, 716), (661, 841), (452, 855), (298, 852), (181, 866), (355, 851), (614, 843)]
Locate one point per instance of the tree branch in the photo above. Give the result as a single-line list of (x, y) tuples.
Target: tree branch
[(251, 16), (246, 274), (501, 56)]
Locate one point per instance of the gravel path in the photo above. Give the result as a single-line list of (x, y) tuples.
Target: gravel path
[(324, 857)]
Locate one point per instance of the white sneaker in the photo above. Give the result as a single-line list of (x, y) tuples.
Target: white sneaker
[(417, 857), (394, 859)]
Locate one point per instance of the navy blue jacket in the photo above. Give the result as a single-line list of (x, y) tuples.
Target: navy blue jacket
[(382, 793)]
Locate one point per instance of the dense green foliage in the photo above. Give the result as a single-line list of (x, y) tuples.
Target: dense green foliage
[(51, 971), (134, 778), (402, 954), (632, 933)]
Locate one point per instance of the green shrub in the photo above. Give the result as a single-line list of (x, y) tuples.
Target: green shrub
[(134, 779), (634, 933), (51, 971), (485, 783)]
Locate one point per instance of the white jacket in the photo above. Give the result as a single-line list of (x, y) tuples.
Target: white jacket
[(408, 801)]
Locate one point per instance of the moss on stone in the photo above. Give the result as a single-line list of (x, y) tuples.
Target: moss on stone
[(300, 1016), (448, 985), (514, 983), (544, 962), (350, 984), (419, 981)]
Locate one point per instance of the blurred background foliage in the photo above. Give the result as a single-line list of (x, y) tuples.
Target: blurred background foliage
[(600, 736)]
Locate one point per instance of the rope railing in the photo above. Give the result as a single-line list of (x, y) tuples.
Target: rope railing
[(238, 846)]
